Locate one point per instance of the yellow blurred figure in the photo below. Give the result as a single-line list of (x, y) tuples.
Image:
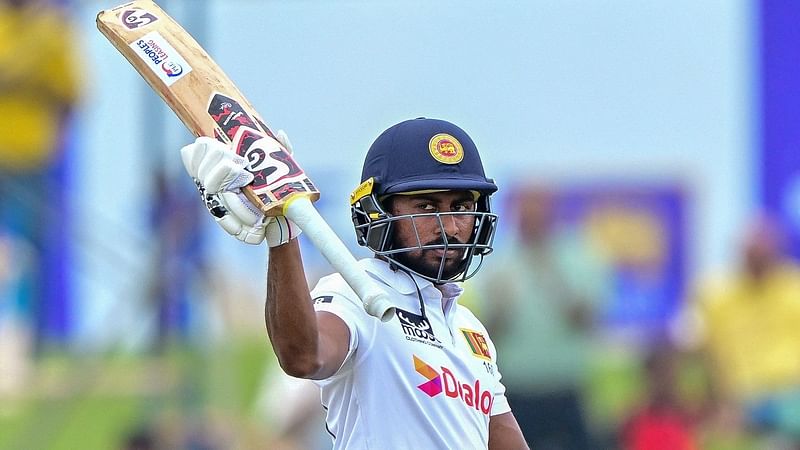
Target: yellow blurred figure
[(750, 319), (38, 82), (745, 327)]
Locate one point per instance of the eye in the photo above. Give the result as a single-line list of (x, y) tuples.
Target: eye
[(426, 206), (464, 207)]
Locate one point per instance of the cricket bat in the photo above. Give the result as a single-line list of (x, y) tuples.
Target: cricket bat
[(210, 104)]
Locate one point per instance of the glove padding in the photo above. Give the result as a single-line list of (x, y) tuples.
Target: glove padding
[(219, 175)]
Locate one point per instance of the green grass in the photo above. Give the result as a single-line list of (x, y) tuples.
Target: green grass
[(80, 403), (90, 422)]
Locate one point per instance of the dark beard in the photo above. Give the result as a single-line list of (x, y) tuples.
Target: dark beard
[(420, 265)]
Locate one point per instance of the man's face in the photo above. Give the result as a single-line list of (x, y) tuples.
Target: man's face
[(453, 229), (763, 247)]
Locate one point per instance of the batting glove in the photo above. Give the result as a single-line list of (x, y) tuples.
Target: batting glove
[(219, 175)]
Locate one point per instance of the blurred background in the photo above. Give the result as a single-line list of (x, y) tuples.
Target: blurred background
[(644, 292)]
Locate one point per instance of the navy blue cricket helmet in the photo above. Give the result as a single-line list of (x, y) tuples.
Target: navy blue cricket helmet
[(415, 156)]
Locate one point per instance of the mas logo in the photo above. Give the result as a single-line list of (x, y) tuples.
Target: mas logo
[(445, 381), (417, 328), (446, 149), (477, 343)]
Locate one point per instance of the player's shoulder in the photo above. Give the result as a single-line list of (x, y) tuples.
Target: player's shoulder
[(466, 317), (471, 326), (332, 287)]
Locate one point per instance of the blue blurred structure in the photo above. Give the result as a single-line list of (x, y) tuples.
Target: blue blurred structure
[(779, 143)]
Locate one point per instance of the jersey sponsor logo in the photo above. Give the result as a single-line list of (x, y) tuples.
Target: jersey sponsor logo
[(433, 386), (445, 381), (477, 343), (417, 328), (323, 299), (161, 57), (446, 149)]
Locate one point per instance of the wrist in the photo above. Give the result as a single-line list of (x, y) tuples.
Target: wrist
[(280, 231)]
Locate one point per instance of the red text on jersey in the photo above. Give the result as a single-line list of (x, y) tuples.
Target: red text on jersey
[(446, 381)]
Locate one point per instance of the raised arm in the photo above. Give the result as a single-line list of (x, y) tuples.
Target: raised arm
[(308, 344)]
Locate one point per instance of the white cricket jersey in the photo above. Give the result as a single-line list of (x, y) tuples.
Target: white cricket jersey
[(413, 382)]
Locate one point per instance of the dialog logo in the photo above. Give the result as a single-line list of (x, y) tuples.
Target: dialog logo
[(454, 389), (433, 386)]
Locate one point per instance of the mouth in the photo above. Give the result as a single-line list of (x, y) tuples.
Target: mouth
[(448, 254)]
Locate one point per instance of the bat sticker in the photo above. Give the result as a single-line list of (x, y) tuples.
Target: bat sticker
[(136, 18), (276, 174), (288, 188), (269, 163), (161, 57), (229, 115)]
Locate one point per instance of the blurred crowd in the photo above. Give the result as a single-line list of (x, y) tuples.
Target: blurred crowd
[(721, 370), (711, 362)]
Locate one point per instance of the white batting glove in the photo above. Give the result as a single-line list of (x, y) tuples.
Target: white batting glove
[(219, 175), (214, 164)]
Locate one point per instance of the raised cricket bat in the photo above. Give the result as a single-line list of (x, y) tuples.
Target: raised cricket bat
[(209, 104)]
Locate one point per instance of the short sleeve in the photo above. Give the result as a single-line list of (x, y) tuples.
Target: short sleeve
[(500, 404), (333, 295)]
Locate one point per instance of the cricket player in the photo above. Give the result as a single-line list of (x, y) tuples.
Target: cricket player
[(428, 378)]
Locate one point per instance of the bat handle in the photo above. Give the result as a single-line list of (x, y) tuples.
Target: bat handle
[(376, 302), (253, 198)]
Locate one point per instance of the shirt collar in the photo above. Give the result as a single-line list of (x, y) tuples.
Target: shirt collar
[(450, 295), (402, 281), (446, 299)]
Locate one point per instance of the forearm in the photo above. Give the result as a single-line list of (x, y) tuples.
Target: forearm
[(289, 313)]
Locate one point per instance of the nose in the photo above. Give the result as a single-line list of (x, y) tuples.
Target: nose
[(450, 225)]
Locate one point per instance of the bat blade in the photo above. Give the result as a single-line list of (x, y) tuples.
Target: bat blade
[(209, 104), (204, 98)]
